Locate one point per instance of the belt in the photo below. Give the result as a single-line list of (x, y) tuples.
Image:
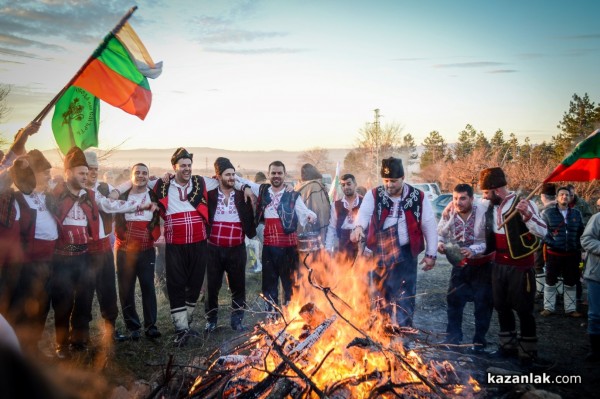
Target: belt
[(74, 248), (559, 253), (481, 260)]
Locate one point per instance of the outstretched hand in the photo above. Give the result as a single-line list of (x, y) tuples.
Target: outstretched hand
[(22, 135)]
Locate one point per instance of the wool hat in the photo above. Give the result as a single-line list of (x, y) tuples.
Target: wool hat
[(38, 161), (391, 168), (492, 178), (222, 164), (549, 189), (75, 157), (91, 158), (181, 153), (22, 175)]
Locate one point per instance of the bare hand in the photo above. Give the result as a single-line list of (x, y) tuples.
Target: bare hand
[(466, 252), (441, 248), (428, 262), (447, 210), (249, 196), (167, 177), (523, 208), (357, 234), (22, 135), (288, 187), (114, 195), (311, 218)]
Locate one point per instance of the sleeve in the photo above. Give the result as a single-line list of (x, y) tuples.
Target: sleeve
[(303, 212), (367, 207), (548, 239), (589, 239), (253, 186), (117, 206), (211, 183), (429, 228), (479, 245), (331, 234), (444, 228), (535, 224), (126, 185)]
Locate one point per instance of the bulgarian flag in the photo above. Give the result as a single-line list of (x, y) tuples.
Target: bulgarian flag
[(582, 164), (335, 192), (116, 73)]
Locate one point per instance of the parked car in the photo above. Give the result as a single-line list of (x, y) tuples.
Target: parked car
[(431, 190), (440, 203)]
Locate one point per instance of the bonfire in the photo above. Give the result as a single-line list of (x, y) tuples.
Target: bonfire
[(331, 341)]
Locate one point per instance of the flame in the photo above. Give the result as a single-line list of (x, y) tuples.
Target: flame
[(335, 356)]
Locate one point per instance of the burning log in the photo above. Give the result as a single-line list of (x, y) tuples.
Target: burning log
[(314, 337), (312, 315), (283, 388)]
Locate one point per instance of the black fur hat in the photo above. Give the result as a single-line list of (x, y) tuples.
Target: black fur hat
[(181, 153), (222, 164), (391, 168)]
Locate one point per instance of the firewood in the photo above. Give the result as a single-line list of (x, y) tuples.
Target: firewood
[(314, 337), (283, 388), (312, 315)]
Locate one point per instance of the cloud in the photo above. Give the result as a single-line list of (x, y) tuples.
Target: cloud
[(590, 36), (503, 71), (15, 41), (236, 36), (480, 64), (408, 59), (19, 53), (257, 51)]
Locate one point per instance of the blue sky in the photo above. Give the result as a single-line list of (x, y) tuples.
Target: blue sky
[(292, 75)]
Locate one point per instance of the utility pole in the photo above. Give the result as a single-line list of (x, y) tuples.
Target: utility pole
[(377, 137)]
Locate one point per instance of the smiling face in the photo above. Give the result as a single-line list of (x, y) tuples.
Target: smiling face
[(227, 179), (139, 176), (462, 202), (77, 177), (183, 170), (276, 175)]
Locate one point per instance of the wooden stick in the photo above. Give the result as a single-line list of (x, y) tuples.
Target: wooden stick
[(514, 212), (91, 58)]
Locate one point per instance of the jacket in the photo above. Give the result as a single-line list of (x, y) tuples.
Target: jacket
[(590, 242), (563, 236)]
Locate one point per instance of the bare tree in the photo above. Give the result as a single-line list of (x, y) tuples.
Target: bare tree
[(4, 109), (318, 157), (377, 143)]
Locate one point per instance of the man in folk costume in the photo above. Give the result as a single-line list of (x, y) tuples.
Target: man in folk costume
[(30, 302), (513, 277), (72, 283), (231, 219), (563, 252), (463, 237), (281, 211), (136, 234), (400, 221), (343, 214), (101, 253)]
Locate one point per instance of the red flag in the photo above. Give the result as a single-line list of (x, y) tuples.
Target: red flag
[(582, 164)]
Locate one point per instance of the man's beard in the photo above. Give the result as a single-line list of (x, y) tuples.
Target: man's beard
[(495, 200), (228, 183), (276, 182), (74, 183)]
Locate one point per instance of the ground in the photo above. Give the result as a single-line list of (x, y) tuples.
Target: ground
[(562, 342)]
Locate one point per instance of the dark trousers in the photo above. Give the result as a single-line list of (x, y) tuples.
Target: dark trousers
[(230, 260), (185, 266), (396, 284), (71, 293), (30, 302), (104, 278), (132, 265), (565, 266), (470, 284), (514, 290), (279, 263)]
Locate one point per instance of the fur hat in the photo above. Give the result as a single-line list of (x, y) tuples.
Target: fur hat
[(91, 158), (549, 189), (74, 158), (222, 164), (391, 168), (38, 161), (22, 175), (492, 178), (181, 153)]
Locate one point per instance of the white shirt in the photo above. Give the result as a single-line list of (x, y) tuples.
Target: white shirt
[(139, 215), (45, 224), (226, 213), (428, 222), (348, 223), (446, 229)]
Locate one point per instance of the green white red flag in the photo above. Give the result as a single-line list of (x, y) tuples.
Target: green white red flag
[(116, 74), (582, 164), (335, 191)]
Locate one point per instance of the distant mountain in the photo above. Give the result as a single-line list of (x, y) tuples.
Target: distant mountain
[(204, 157)]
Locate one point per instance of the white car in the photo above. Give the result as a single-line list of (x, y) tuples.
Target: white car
[(431, 190)]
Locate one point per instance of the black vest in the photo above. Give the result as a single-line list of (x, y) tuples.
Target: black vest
[(244, 210), (342, 213), (285, 210)]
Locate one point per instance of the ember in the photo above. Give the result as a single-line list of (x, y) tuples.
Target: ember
[(334, 346)]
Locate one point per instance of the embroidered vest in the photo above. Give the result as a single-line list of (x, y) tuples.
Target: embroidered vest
[(412, 205), (153, 224), (521, 242), (60, 202), (342, 213), (197, 196), (285, 209), (244, 210)]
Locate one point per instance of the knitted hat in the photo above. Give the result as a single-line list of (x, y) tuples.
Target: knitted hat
[(492, 178), (23, 176), (391, 168), (74, 158), (549, 189), (91, 158), (181, 153), (38, 161), (222, 164)]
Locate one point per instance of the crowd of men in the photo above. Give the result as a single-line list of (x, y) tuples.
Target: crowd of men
[(56, 249)]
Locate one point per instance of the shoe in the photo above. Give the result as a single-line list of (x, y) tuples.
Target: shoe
[(153, 332), (210, 326), (574, 314), (546, 313), (238, 326), (118, 337), (62, 352), (135, 335), (181, 338)]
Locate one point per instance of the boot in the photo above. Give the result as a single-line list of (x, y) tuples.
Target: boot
[(180, 320), (549, 300), (570, 301), (190, 307), (594, 355), (527, 350), (507, 346), (540, 279)]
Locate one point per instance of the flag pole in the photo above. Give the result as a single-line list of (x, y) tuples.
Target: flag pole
[(514, 212), (91, 58)]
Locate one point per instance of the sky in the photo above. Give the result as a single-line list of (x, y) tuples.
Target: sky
[(294, 75)]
